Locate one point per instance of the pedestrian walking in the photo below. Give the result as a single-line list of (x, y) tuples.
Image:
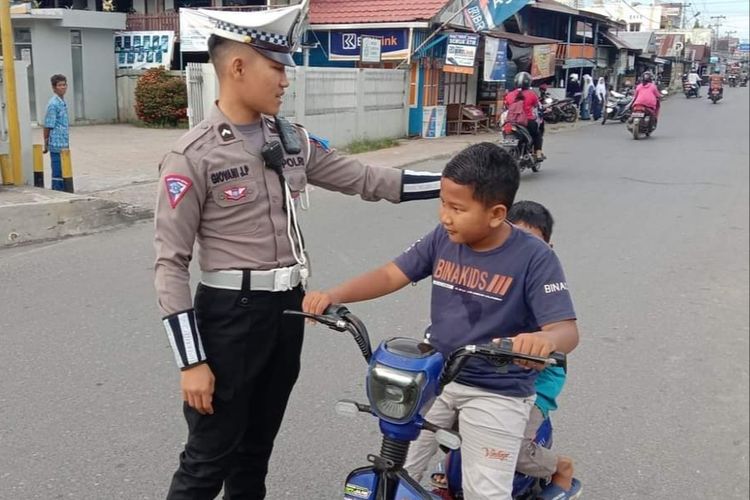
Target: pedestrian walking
[(600, 98), (573, 90), (56, 136), (230, 183), (587, 95)]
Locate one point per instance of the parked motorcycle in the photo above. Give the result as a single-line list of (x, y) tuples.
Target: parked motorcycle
[(743, 81), (404, 377), (559, 110), (642, 122), (690, 89), (715, 95), (518, 142), (618, 106)]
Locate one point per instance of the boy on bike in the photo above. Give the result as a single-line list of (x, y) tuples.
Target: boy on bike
[(490, 279)]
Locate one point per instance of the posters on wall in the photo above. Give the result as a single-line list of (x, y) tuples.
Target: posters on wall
[(143, 49), (461, 53), (483, 15), (495, 59), (543, 61)]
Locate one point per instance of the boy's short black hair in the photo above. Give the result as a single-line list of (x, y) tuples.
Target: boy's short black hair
[(489, 169), (55, 79), (532, 214)]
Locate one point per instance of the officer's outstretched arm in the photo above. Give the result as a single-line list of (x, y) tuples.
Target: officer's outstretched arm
[(329, 170), (179, 202)]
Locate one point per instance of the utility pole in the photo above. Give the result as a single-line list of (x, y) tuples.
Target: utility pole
[(717, 23), (682, 14), (11, 99)]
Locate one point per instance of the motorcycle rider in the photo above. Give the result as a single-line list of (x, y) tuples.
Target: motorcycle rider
[(647, 95), (694, 78), (716, 82), (530, 106)]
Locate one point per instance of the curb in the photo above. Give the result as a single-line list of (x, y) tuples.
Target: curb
[(55, 215)]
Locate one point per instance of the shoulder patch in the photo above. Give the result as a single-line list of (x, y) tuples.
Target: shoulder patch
[(225, 132), (319, 142), (191, 137), (177, 187)]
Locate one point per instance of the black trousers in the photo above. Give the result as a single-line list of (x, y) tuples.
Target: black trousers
[(254, 353), (536, 134)]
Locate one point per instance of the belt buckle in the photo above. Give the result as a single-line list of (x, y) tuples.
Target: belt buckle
[(282, 279)]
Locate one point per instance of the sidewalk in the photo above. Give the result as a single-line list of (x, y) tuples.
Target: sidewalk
[(115, 169)]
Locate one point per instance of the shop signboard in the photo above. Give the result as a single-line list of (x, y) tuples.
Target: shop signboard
[(484, 15), (346, 45), (143, 49), (461, 53)]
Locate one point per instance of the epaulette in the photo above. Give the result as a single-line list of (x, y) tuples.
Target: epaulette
[(191, 137)]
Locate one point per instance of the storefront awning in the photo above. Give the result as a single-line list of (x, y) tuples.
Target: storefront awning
[(578, 63)]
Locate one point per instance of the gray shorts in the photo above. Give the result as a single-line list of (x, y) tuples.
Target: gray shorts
[(535, 460)]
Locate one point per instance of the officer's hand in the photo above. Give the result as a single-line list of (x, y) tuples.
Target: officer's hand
[(316, 302), (198, 388), (45, 150)]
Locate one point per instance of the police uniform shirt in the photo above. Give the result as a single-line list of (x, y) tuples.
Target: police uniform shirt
[(215, 187)]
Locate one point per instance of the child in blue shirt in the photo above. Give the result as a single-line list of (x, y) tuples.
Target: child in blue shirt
[(490, 279)]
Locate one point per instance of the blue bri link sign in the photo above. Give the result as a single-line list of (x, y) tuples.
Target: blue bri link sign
[(483, 15), (345, 45)]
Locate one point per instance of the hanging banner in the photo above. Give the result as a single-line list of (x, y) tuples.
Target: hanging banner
[(461, 53), (346, 45), (143, 49), (195, 28), (495, 59), (483, 15), (543, 61)]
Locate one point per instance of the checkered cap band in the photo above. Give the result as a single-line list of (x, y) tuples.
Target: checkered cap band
[(261, 36)]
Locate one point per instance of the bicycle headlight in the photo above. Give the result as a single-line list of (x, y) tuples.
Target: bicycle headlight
[(395, 394)]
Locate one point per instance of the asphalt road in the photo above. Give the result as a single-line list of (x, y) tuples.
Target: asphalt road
[(654, 238)]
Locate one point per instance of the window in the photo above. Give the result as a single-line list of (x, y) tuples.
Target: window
[(76, 48), (634, 27), (22, 38)]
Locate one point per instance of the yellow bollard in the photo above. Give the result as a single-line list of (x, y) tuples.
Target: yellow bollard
[(38, 166), (67, 171), (5, 169)]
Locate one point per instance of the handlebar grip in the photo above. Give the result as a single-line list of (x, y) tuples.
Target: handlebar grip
[(561, 359), (338, 310)]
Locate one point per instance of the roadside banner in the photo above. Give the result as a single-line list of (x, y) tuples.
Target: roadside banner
[(143, 49), (495, 59), (461, 53), (543, 61)]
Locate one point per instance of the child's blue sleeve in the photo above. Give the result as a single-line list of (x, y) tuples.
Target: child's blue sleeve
[(547, 290), (417, 261)]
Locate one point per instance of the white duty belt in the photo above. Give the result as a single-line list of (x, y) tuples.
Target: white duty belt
[(281, 279)]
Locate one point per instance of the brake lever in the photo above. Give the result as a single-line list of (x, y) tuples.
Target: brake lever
[(337, 324)]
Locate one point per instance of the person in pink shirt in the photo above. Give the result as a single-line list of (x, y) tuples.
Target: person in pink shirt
[(647, 94)]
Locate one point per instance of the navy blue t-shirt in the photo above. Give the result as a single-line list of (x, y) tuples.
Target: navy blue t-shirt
[(479, 296)]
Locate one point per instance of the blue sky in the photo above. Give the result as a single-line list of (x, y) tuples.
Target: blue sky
[(737, 14)]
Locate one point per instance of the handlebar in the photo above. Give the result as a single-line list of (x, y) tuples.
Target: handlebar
[(337, 317), (500, 354)]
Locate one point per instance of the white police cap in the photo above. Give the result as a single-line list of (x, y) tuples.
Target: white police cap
[(274, 33)]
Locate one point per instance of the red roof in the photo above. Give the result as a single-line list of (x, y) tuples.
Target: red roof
[(373, 11)]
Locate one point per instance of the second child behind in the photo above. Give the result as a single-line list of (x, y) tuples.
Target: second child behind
[(519, 291)]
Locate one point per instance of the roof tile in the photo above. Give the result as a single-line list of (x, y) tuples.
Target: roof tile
[(372, 11)]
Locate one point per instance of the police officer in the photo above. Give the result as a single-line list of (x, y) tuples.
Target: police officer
[(230, 183)]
